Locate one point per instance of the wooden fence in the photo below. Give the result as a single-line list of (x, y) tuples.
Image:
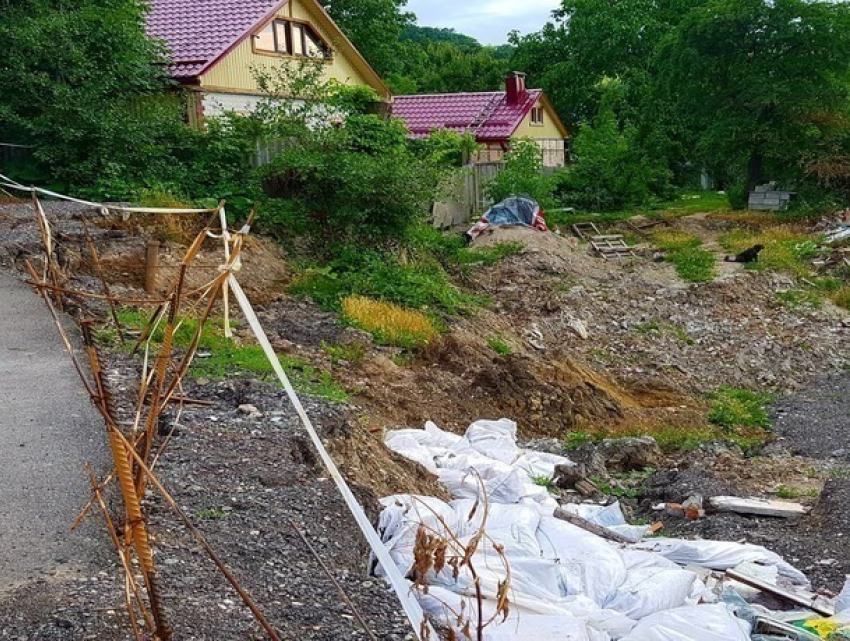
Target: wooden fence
[(465, 195), (10, 153)]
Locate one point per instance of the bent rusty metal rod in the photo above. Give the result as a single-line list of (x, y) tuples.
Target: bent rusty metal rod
[(122, 451), (51, 265), (199, 537), (135, 521), (99, 268), (336, 583), (40, 284), (125, 561)]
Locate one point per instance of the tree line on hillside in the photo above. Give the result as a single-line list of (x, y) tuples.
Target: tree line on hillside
[(746, 90), (414, 59)]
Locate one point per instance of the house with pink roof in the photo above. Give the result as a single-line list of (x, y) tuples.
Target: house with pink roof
[(495, 118), (218, 46)]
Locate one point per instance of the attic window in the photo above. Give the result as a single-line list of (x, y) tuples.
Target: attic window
[(292, 39), (537, 116)]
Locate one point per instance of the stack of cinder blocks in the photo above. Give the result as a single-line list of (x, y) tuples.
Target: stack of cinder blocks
[(767, 198)]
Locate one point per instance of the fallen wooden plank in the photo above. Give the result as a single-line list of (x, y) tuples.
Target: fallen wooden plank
[(807, 601), (758, 507), (591, 527)]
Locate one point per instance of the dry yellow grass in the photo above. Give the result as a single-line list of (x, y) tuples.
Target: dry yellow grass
[(842, 297), (390, 323)]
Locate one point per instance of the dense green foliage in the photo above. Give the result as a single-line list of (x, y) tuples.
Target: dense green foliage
[(414, 59), (78, 82), (444, 61), (747, 91), (523, 175), (374, 26), (758, 84)]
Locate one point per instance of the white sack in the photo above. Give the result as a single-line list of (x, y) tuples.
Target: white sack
[(540, 464), (691, 623), (496, 439), (720, 555), (650, 590), (586, 563), (401, 517), (520, 625)]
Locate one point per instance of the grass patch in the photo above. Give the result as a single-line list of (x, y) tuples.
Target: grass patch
[(798, 298), (483, 256), (545, 481), (792, 492), (389, 323), (787, 248), (654, 327), (575, 440), (736, 409), (351, 353), (692, 263), (412, 279), (674, 240), (499, 346), (683, 204), (226, 358), (670, 438)]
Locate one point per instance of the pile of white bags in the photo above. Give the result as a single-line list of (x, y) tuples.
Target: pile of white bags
[(566, 583)]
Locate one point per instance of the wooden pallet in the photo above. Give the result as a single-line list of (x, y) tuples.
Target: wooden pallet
[(585, 230), (611, 246)]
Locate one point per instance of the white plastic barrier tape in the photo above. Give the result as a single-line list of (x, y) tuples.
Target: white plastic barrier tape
[(8, 183), (396, 580)]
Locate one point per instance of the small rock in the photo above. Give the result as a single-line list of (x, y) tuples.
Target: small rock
[(250, 410)]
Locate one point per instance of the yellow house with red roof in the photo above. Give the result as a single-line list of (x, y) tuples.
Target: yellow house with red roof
[(218, 46), (495, 118)]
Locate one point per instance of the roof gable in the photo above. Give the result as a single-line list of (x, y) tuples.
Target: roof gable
[(487, 114), (199, 33)]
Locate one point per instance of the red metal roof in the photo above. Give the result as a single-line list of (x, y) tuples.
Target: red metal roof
[(198, 32), (486, 114)]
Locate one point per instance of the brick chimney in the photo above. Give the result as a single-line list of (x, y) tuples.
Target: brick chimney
[(515, 87)]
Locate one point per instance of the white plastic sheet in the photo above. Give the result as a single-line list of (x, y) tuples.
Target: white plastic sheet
[(488, 450), (721, 555), (566, 583), (610, 517), (691, 623)]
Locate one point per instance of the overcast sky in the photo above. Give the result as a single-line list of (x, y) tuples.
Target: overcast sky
[(488, 21)]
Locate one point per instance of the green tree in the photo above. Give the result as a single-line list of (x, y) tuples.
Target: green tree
[(523, 175), (758, 83), (80, 82), (375, 27), (589, 40)]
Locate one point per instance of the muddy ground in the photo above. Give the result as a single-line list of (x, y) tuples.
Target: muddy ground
[(247, 480)]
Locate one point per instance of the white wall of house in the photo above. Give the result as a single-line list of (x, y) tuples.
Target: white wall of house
[(216, 104)]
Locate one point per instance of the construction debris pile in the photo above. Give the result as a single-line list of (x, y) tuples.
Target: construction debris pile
[(503, 560)]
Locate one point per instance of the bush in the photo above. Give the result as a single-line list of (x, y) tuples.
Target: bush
[(734, 409), (612, 170), (359, 181), (738, 195), (523, 176), (420, 282)]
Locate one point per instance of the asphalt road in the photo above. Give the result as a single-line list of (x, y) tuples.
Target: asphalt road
[(48, 430)]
